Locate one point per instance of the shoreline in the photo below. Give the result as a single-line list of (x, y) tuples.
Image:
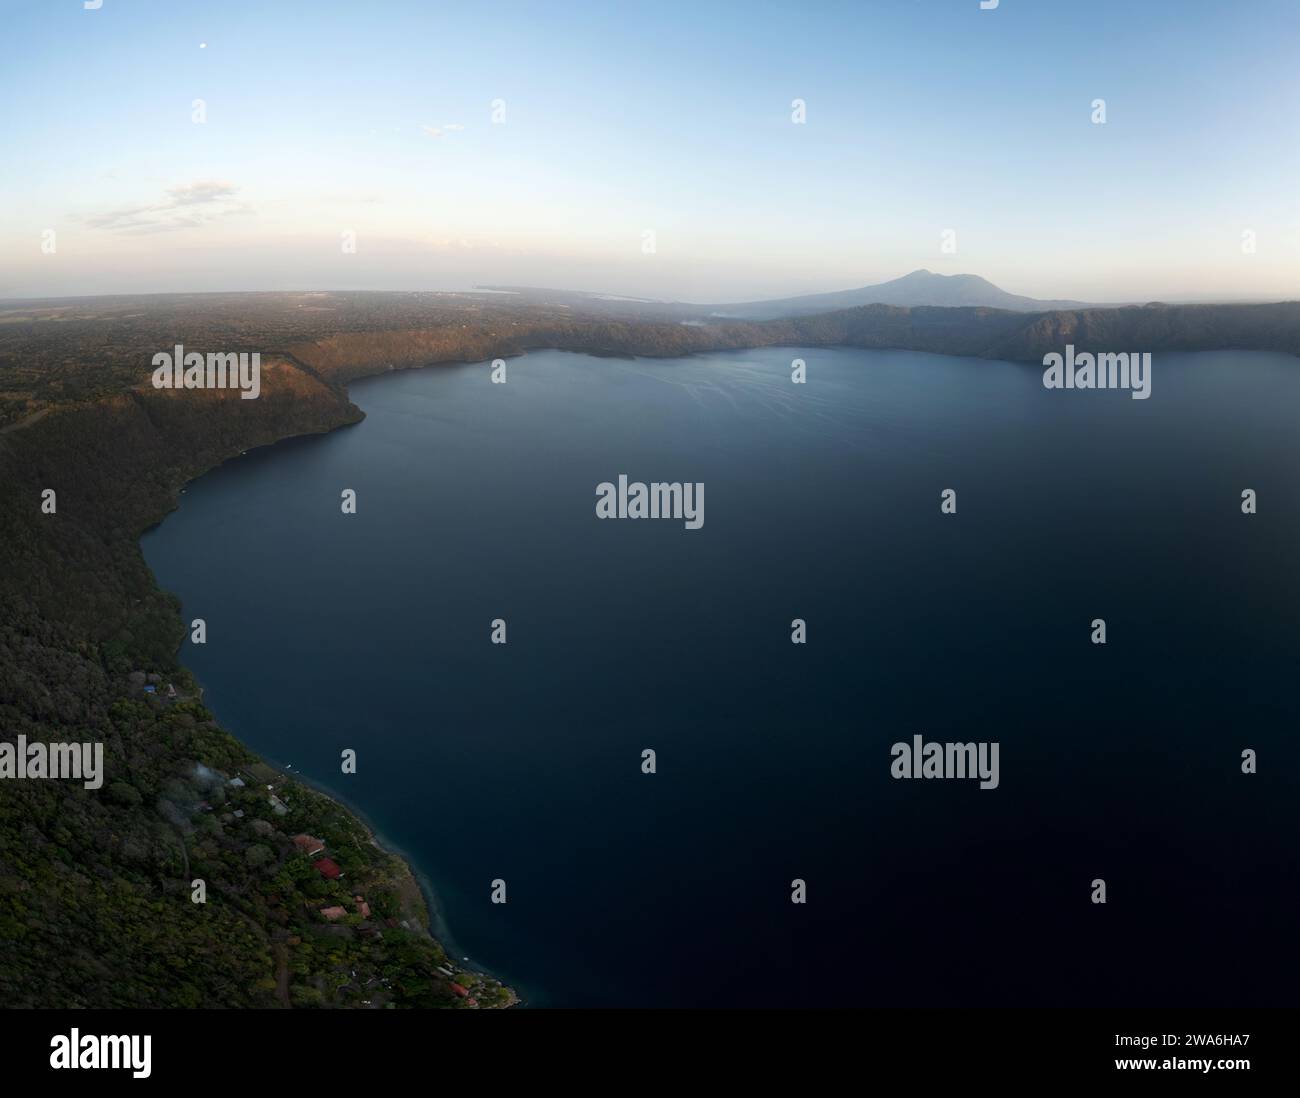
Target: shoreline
[(435, 926)]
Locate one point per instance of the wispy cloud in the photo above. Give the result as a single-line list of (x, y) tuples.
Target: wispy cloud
[(185, 206), (439, 131)]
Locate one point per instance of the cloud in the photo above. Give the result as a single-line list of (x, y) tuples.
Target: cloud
[(439, 131), (185, 206), (432, 131), (204, 190)]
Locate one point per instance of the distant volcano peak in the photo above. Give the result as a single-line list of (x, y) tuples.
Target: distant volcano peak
[(918, 288)]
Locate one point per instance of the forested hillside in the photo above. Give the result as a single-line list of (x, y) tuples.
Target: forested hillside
[(96, 885)]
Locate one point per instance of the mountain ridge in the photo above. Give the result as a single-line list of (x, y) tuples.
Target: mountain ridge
[(917, 288)]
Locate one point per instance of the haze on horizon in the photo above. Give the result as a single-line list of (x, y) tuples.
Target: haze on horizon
[(506, 143)]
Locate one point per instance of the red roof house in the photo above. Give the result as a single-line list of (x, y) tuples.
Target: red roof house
[(462, 992), (308, 845), (328, 868)]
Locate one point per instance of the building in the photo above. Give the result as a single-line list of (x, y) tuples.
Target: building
[(308, 845), (329, 869)]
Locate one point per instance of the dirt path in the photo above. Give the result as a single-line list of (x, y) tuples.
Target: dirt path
[(26, 422)]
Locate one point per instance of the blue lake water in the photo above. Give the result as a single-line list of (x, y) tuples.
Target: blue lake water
[(523, 762)]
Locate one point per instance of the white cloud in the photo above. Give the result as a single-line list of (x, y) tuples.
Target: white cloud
[(185, 206)]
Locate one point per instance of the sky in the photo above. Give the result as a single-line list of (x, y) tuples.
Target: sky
[(650, 149)]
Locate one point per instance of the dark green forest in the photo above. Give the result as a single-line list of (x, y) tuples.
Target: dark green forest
[(95, 885)]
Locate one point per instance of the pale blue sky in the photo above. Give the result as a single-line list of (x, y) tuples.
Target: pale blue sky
[(922, 116)]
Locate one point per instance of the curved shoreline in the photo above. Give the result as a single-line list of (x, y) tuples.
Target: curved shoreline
[(435, 925)]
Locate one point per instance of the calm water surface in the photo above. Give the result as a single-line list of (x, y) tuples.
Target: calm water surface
[(477, 501)]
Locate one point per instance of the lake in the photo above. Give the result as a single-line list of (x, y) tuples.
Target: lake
[(523, 761)]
